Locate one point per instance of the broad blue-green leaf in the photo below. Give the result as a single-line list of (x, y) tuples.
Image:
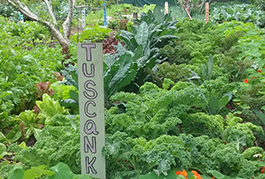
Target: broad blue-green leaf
[(260, 115), (213, 104), (158, 14), (142, 34), (223, 101), (74, 95)]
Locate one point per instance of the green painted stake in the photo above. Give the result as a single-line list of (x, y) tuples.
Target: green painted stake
[(91, 108)]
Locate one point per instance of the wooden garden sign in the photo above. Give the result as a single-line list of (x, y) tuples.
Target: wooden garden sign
[(91, 108)]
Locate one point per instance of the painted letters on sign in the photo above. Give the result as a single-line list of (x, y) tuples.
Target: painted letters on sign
[(91, 108)]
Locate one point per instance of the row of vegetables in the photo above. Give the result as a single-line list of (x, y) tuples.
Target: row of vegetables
[(183, 99)]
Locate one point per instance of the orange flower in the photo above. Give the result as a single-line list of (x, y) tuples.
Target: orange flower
[(258, 31), (262, 170), (259, 71), (196, 174), (183, 173), (246, 81), (178, 172), (252, 77), (212, 178)]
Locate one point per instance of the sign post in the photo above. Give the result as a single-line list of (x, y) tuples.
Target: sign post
[(83, 18), (91, 108), (166, 7), (206, 12)]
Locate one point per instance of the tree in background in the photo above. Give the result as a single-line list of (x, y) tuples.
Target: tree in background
[(43, 11)]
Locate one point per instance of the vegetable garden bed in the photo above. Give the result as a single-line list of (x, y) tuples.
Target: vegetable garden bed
[(183, 99)]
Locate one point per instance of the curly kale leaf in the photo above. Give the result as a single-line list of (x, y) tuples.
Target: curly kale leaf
[(171, 147), (146, 115), (161, 153), (241, 134), (250, 152), (202, 124), (56, 144), (191, 96)]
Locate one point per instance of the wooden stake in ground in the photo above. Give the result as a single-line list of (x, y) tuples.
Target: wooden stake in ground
[(166, 7), (206, 12)]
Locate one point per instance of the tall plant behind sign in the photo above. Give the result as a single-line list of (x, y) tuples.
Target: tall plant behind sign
[(91, 108)]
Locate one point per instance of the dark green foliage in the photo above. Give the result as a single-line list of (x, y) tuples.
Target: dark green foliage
[(202, 124), (134, 64), (259, 3), (251, 97), (119, 73), (8, 11), (155, 124), (16, 80), (174, 72), (196, 42), (176, 52), (70, 75)]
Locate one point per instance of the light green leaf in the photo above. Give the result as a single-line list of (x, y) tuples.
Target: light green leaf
[(36, 172), (16, 173), (82, 177), (62, 171), (14, 134), (216, 174), (2, 137), (23, 145), (2, 148)]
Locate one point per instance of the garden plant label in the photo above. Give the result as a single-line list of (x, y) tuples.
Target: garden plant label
[(91, 108)]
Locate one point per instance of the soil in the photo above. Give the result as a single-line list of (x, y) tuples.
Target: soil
[(31, 141), (8, 158)]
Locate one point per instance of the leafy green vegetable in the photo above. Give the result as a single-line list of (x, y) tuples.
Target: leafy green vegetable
[(35, 172), (16, 173), (28, 126), (92, 34), (56, 144), (207, 69), (49, 108)]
